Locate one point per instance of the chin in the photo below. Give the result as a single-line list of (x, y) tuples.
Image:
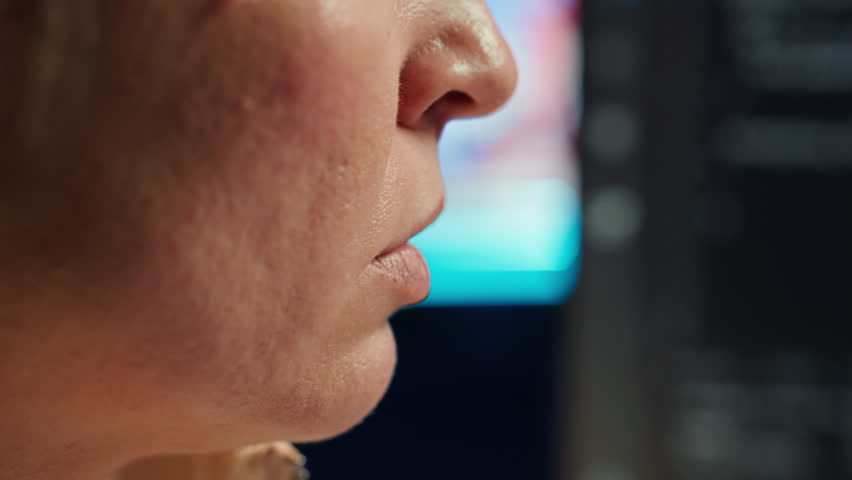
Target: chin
[(341, 393)]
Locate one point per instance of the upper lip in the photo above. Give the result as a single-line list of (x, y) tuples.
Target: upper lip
[(416, 228)]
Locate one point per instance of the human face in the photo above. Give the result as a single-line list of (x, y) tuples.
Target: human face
[(238, 170)]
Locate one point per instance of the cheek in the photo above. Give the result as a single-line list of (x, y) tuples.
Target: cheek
[(282, 151), (264, 232), (249, 187)]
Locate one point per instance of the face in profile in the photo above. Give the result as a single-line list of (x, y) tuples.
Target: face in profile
[(217, 234)]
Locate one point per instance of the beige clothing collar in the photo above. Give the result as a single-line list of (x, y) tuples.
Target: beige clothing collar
[(270, 461)]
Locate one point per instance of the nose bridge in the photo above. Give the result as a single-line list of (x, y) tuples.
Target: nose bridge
[(458, 53)]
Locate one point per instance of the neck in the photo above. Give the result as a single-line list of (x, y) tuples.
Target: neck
[(42, 439), (49, 459), (48, 429)]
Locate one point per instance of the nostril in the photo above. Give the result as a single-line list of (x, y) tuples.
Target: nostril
[(453, 104), (454, 99)]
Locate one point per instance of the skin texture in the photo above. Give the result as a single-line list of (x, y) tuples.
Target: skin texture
[(191, 207)]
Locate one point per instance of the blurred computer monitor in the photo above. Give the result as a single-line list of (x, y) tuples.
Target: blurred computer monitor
[(711, 334), (510, 233)]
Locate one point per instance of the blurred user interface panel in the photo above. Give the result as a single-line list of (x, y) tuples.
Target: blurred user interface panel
[(510, 233), (715, 342)]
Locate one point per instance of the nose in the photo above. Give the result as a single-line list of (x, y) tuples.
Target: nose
[(459, 64)]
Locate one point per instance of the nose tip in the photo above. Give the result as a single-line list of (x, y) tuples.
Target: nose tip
[(460, 65)]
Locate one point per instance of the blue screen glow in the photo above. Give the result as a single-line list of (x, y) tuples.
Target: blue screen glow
[(510, 233)]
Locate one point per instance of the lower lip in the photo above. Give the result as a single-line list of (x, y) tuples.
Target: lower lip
[(407, 268)]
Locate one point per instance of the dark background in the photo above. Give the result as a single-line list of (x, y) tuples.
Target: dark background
[(714, 341), (473, 397)]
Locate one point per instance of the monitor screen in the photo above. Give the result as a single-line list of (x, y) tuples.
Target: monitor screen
[(510, 233)]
